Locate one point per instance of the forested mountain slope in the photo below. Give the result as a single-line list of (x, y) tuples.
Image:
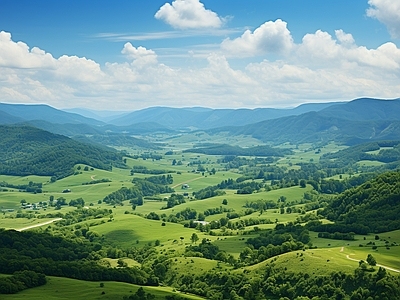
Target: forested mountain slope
[(374, 205), (205, 118), (27, 150), (351, 123), (365, 109), (44, 112)]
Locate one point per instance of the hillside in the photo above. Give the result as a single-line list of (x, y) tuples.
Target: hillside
[(27, 150), (351, 123), (28, 112), (373, 206), (365, 109)]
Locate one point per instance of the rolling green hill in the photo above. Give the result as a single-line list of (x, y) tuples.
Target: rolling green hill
[(373, 206), (31, 151)]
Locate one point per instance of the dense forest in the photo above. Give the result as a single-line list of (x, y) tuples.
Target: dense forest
[(28, 150), (193, 217), (373, 206)]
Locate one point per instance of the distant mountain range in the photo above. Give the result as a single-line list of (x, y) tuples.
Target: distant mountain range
[(25, 112), (206, 118), (355, 122), (350, 122)]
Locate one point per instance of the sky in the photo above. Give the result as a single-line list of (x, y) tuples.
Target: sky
[(129, 55)]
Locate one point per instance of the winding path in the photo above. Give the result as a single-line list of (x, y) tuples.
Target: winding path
[(378, 265), (39, 224)]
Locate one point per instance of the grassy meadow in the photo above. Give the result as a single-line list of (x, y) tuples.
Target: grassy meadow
[(70, 289), (129, 228)]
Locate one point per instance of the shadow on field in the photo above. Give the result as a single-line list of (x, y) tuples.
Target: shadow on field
[(122, 235)]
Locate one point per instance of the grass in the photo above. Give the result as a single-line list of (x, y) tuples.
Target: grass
[(58, 288), (196, 265), (307, 153), (18, 223), (129, 261), (233, 244), (130, 230), (385, 254), (312, 261), (387, 257)]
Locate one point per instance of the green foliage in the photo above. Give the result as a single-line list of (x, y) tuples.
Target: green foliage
[(175, 199), (142, 188), (21, 280), (32, 187), (207, 250), (337, 236), (27, 150), (77, 202), (163, 180), (282, 239), (363, 152), (57, 256), (371, 260), (373, 205), (96, 181)]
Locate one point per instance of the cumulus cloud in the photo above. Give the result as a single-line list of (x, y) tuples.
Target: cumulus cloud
[(344, 38), (140, 55), (270, 37), (321, 66), (188, 14), (388, 13), (321, 50), (18, 55)]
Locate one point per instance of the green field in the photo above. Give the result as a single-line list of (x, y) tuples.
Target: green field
[(127, 228), (71, 289)]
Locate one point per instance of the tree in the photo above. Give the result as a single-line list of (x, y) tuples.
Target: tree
[(371, 260), (225, 202), (302, 183), (194, 238), (121, 263)]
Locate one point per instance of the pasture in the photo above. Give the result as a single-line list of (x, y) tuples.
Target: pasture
[(71, 289)]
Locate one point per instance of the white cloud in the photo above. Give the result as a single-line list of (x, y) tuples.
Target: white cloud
[(18, 55), (344, 38), (320, 67), (140, 55), (321, 50), (318, 48), (270, 37), (79, 69), (188, 14), (388, 13)]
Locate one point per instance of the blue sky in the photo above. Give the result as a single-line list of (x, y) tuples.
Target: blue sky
[(127, 55)]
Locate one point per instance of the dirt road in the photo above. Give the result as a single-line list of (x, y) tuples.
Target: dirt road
[(378, 265), (39, 224)]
